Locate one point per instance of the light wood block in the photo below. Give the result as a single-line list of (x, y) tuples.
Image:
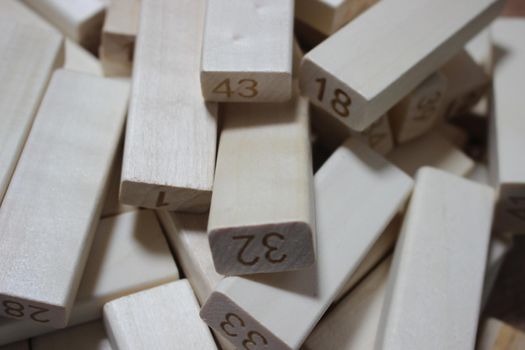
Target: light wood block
[(377, 136), (22, 345), (247, 51), (480, 174), (480, 48), (262, 216), (431, 150), (350, 216), (508, 127), (118, 37), (54, 197), (171, 136), (359, 82), (89, 336), (165, 317), (353, 323), (434, 290), (418, 112), (80, 20), (497, 335), (129, 254), (80, 60)]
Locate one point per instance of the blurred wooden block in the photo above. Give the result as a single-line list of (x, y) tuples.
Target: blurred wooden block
[(418, 112), (498, 249), (431, 273), (262, 216), (480, 48), (29, 55), (507, 125), (497, 335), (350, 216), (118, 37), (353, 323), (387, 66), (377, 136), (80, 20), (89, 336), (165, 317), (171, 136), (455, 134), (431, 150), (22, 345), (480, 174), (247, 51), (129, 254), (55, 194), (79, 60)]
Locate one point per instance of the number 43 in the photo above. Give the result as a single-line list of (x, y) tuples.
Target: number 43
[(247, 88)]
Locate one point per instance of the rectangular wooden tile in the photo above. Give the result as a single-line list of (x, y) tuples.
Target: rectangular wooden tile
[(89, 336)]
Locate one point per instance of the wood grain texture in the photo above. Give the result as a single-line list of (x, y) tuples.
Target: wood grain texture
[(169, 152), (362, 207), (247, 51), (497, 335), (129, 254), (388, 65), (507, 125), (262, 215), (418, 112), (165, 317), (434, 290), (89, 336)]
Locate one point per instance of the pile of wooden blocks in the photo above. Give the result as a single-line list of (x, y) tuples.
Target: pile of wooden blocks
[(157, 167)]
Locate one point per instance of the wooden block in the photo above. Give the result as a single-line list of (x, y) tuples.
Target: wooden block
[(129, 254), (247, 51), (377, 136), (22, 345), (418, 112), (80, 20), (171, 136), (165, 317), (497, 335), (507, 126), (55, 193), (431, 274), (118, 37), (350, 216), (80, 60), (89, 336), (498, 248), (29, 55), (455, 134), (387, 65), (431, 150), (480, 174), (480, 48), (353, 323), (262, 216)]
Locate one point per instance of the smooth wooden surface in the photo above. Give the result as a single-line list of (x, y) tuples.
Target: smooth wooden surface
[(377, 136), (89, 336), (507, 125), (29, 55), (165, 317), (129, 254), (388, 65), (262, 215), (434, 290), (247, 51), (350, 216), (79, 59), (497, 335), (55, 194), (418, 112), (169, 153), (480, 48)]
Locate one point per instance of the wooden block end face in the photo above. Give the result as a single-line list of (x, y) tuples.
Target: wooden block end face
[(246, 86), (262, 248), (33, 311), (237, 326), (145, 195), (510, 209)]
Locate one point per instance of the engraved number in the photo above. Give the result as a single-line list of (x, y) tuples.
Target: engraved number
[(251, 340), (427, 106), (271, 251), (40, 310), (228, 322), (247, 88), (243, 248), (15, 309), (340, 102), (250, 87), (252, 337)]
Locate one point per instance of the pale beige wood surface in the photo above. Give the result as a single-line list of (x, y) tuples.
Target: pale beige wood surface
[(388, 64), (497, 335), (164, 317), (79, 59), (129, 254), (247, 51), (169, 152), (89, 336)]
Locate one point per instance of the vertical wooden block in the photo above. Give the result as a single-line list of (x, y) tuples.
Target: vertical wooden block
[(387, 66), (169, 152), (434, 290), (258, 309), (89, 336), (247, 51), (165, 317), (418, 112), (497, 335)]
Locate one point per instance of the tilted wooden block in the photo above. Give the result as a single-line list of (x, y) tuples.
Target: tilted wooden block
[(497, 335), (171, 135), (164, 317), (480, 48), (418, 112), (129, 254), (358, 80), (507, 126), (247, 51), (377, 136), (89, 336), (434, 290), (79, 60), (350, 216)]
